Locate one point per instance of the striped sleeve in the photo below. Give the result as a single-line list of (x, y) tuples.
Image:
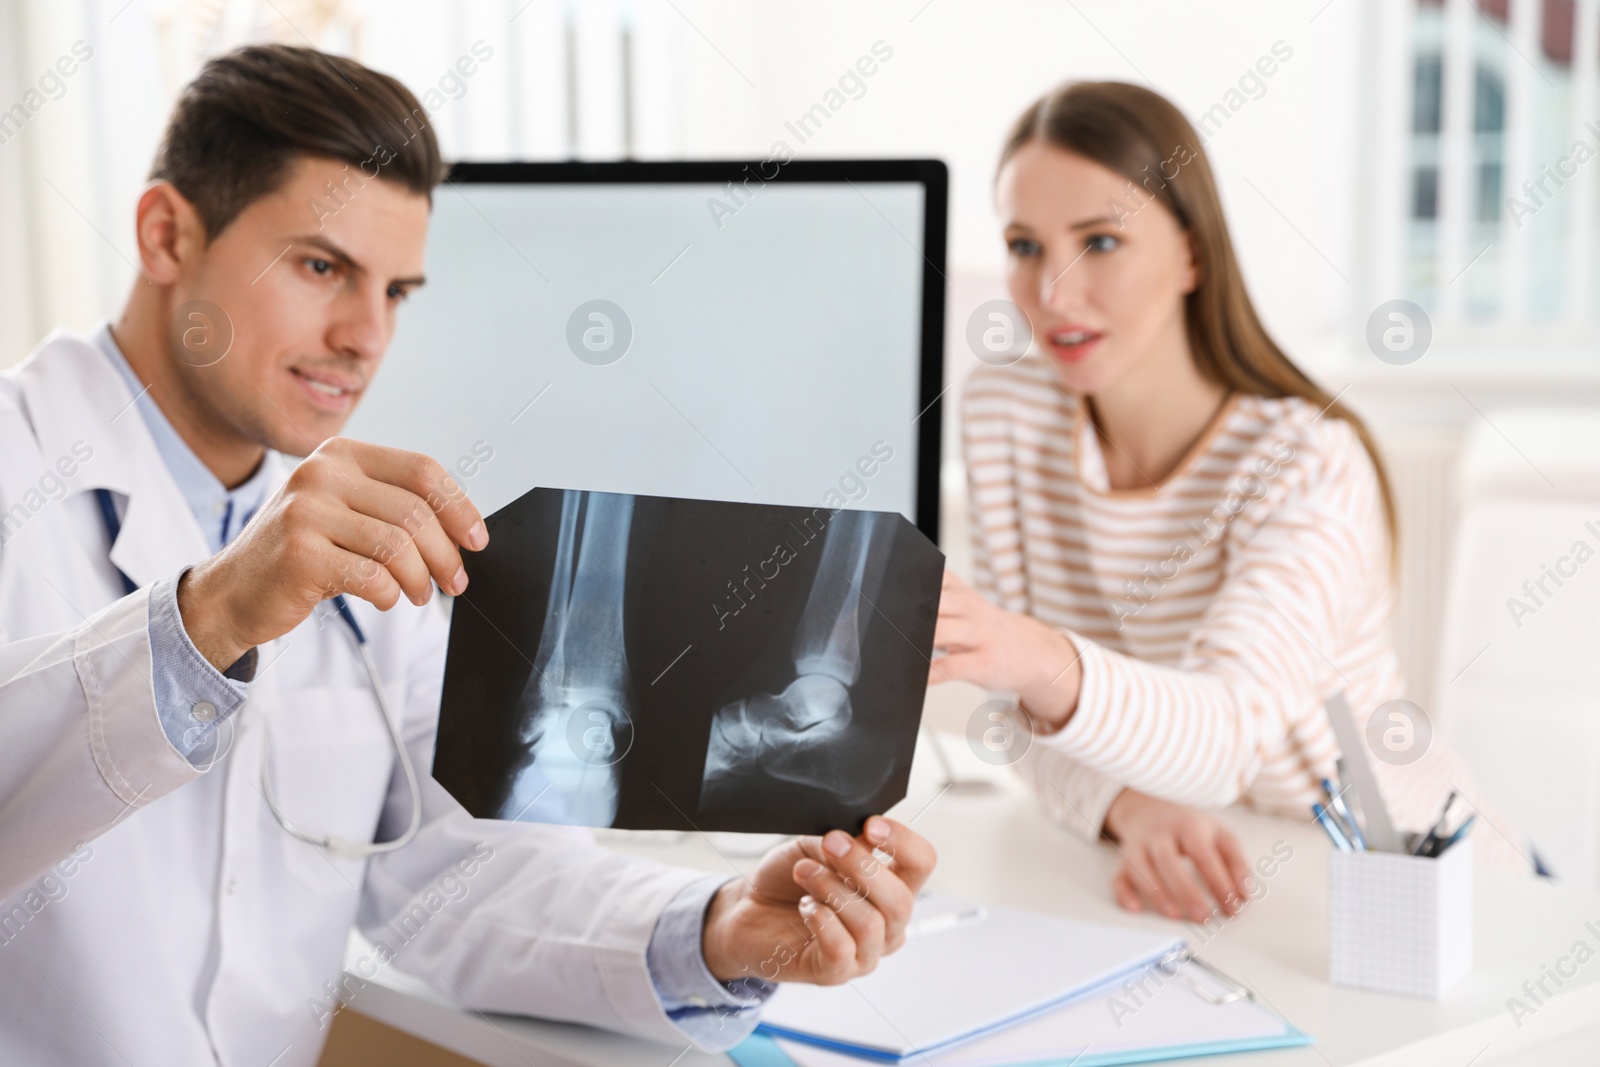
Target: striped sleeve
[(1262, 655), (1075, 796)]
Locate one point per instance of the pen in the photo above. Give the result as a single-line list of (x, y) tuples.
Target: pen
[(1341, 817), (947, 920), (1337, 805), (1351, 803), (1431, 838), (1440, 846), (1331, 827)]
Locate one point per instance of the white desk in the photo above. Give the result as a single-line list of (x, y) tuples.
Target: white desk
[(1001, 850)]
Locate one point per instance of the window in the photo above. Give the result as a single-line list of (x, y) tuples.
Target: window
[(1501, 219)]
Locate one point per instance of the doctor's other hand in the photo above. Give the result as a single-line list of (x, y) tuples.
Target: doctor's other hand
[(819, 909), (377, 523), (990, 647), (1163, 846)]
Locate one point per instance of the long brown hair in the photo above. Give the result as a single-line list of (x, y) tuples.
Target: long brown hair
[(1139, 135)]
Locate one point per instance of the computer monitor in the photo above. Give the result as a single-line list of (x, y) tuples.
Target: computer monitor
[(758, 331)]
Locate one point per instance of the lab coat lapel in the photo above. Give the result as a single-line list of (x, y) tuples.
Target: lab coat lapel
[(74, 394)]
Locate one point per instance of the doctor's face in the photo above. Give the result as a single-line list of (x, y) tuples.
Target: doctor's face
[(310, 282)]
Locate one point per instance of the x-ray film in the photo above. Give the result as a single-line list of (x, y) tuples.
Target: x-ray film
[(663, 663)]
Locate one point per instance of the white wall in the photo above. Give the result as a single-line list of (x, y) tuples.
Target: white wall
[(960, 71)]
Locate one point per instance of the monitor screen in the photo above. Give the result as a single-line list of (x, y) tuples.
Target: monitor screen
[(727, 331)]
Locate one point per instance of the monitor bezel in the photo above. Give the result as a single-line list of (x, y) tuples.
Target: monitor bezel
[(932, 174)]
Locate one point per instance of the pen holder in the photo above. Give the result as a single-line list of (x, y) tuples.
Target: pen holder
[(1399, 923)]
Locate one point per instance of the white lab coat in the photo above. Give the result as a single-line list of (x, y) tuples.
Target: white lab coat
[(158, 915)]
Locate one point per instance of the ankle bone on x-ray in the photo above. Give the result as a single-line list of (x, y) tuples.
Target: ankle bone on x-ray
[(798, 735), (581, 669)]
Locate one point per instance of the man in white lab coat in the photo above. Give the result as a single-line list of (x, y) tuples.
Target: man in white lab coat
[(155, 911)]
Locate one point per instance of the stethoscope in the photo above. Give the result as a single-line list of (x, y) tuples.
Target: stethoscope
[(333, 843)]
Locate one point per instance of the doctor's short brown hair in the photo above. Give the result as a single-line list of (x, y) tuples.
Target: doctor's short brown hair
[(251, 114)]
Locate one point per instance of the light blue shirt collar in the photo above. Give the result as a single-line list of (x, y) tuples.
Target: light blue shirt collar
[(220, 513)]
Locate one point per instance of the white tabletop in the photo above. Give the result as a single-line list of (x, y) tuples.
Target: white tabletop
[(1000, 849)]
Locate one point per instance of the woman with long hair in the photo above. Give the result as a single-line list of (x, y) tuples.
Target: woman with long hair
[(1182, 545)]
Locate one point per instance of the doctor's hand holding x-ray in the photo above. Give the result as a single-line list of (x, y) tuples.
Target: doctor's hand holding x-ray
[(374, 522), (854, 895)]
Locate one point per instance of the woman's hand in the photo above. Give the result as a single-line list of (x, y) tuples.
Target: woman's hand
[(998, 649), (1163, 844)]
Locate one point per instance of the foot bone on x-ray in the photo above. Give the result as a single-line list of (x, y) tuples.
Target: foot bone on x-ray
[(576, 704), (801, 734)]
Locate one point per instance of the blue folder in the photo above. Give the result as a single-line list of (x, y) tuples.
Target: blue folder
[(759, 1050)]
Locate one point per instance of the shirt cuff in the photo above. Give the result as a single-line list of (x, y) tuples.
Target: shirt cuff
[(193, 698), (1074, 795), (1085, 734), (711, 1013)]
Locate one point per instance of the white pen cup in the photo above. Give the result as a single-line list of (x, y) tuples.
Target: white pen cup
[(1400, 923)]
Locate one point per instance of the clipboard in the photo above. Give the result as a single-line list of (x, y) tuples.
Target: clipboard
[(1173, 1023)]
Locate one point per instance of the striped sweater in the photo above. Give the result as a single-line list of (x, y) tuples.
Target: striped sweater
[(1213, 613)]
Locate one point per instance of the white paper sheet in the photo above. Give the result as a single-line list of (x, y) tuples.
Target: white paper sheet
[(958, 981)]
